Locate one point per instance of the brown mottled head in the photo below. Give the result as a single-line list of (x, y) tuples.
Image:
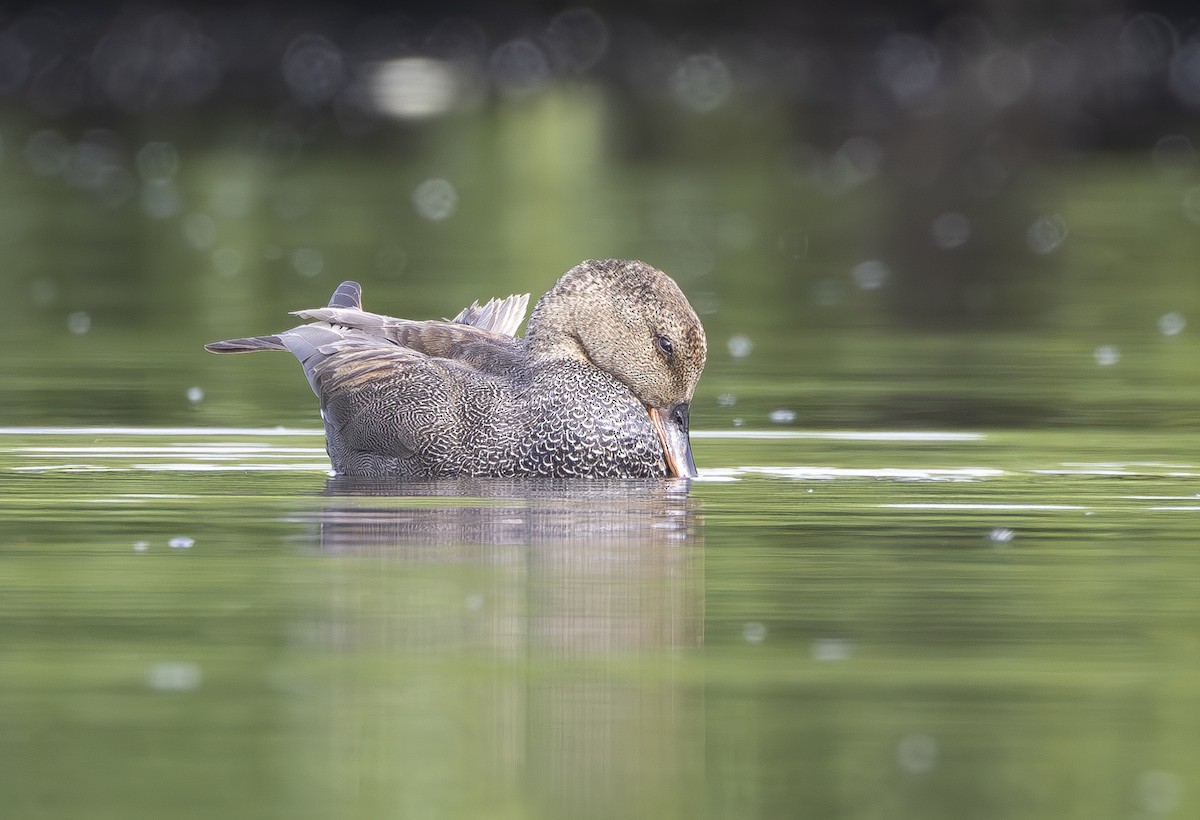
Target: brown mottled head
[(632, 321)]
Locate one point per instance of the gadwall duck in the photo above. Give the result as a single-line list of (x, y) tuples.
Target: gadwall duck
[(601, 385)]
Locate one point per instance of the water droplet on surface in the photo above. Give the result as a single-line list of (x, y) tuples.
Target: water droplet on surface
[(181, 542), (870, 275), (1000, 535), (830, 649), (917, 754), (740, 346), (754, 632), (79, 322), (141, 546), (174, 677), (195, 395), (782, 416), (1171, 324), (435, 199), (726, 400), (1106, 355)]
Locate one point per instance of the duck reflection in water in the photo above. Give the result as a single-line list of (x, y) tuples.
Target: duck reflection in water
[(562, 606), (615, 562)]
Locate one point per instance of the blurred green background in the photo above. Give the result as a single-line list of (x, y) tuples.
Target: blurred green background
[(887, 216)]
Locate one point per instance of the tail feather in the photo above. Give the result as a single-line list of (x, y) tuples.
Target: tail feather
[(347, 295), (248, 345)]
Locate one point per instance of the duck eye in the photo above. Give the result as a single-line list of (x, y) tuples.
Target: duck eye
[(664, 344)]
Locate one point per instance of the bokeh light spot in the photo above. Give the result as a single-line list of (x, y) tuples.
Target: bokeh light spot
[(47, 152), (157, 161), (701, 82), (576, 39), (1046, 234), (917, 754), (79, 322), (200, 231), (308, 262), (870, 275), (519, 68), (1171, 324), (314, 69), (950, 230), (740, 346), (161, 199), (1106, 355), (414, 88), (754, 632), (435, 199)]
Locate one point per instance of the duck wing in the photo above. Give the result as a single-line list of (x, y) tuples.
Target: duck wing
[(494, 323), (348, 296), (498, 315), (479, 337)]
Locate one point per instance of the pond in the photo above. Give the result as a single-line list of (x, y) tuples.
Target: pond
[(940, 559), (198, 620)]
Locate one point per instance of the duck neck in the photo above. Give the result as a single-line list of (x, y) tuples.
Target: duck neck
[(552, 333)]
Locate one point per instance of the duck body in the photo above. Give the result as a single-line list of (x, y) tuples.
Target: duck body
[(600, 386)]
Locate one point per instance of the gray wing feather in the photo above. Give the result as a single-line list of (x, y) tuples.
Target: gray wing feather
[(347, 295), (498, 315), (358, 341), (248, 344), (313, 344)]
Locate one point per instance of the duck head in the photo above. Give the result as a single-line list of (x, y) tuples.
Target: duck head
[(632, 321)]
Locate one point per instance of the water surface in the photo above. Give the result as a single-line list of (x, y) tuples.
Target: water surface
[(202, 623)]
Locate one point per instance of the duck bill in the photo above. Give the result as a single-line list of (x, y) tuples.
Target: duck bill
[(672, 428)]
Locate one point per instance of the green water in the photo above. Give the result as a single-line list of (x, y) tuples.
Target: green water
[(826, 624), (935, 565)]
